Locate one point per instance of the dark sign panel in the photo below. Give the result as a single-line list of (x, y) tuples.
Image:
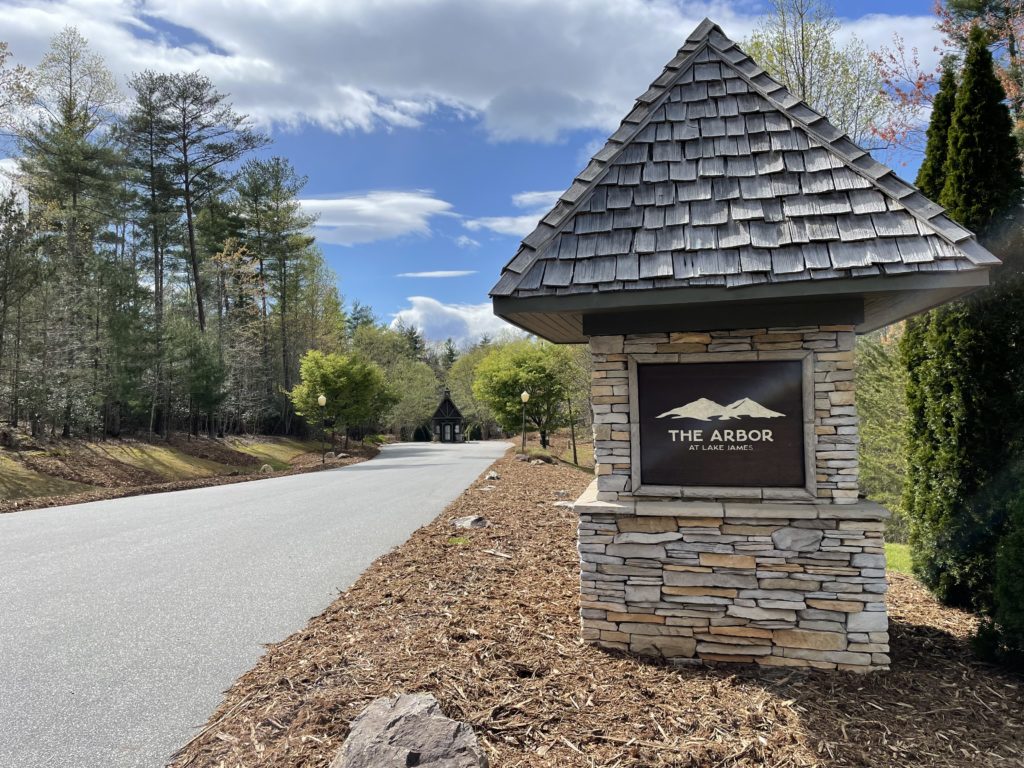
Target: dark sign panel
[(722, 424)]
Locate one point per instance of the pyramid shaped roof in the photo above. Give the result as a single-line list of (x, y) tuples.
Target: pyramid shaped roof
[(719, 178), (447, 408)]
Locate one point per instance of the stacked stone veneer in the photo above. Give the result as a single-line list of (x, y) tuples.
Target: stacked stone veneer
[(777, 577)]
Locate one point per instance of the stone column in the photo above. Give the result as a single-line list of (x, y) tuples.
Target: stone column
[(759, 575)]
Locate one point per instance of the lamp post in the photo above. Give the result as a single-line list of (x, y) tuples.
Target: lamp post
[(322, 402), (525, 398)]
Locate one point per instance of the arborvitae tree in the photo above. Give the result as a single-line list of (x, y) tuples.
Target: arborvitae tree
[(964, 366), (965, 420), (931, 177), (982, 166), (1008, 612)]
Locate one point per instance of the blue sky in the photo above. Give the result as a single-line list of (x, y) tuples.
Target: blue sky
[(433, 132)]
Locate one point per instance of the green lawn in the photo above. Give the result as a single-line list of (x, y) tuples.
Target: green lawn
[(19, 482), (162, 460), (277, 452), (898, 557)]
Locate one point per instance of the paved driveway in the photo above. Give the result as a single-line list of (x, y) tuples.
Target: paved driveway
[(123, 621)]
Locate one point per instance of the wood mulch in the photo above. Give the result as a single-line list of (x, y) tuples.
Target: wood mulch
[(486, 621), (117, 479)]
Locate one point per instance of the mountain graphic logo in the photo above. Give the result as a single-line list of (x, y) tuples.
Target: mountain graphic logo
[(708, 410)]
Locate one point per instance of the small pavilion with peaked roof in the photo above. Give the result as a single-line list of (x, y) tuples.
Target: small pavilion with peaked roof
[(447, 420), (719, 256)]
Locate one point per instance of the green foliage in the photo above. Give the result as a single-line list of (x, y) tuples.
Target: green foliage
[(1002, 637), (544, 370), (881, 404), (137, 216), (964, 365), (982, 167), (799, 43), (539, 453), (1009, 588), (359, 315), (897, 558), (931, 177), (355, 388), (964, 427), (417, 395), (399, 352), (459, 380)]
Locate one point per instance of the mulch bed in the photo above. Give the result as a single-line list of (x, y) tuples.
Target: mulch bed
[(118, 485), (486, 620)]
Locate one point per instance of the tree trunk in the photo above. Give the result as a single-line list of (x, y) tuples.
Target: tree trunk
[(572, 432), (16, 373), (190, 224)]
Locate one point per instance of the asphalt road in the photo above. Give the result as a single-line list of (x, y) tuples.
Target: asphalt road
[(123, 621)]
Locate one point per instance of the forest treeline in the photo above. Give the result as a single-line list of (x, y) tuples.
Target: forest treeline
[(155, 274), (157, 271)]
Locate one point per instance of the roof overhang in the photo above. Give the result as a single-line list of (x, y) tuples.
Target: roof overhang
[(867, 303)]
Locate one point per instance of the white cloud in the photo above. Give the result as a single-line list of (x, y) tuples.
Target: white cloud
[(536, 200), (538, 203), (520, 226), (379, 215), (9, 169), (439, 273), (529, 69), (461, 322), (878, 29), (465, 241)]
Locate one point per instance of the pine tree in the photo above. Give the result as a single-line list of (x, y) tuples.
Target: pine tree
[(982, 168), (932, 175), (202, 133)]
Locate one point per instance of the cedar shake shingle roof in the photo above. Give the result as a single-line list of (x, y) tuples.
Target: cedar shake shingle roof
[(721, 177)]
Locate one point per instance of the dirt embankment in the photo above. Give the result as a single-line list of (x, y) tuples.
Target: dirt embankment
[(486, 620), (38, 474)]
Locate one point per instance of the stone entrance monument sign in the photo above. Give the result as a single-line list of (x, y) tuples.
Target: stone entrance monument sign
[(719, 255)]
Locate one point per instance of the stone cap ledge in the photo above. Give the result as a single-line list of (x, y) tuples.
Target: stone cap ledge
[(589, 504)]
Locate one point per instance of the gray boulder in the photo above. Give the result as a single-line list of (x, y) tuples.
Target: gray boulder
[(472, 521), (409, 730)]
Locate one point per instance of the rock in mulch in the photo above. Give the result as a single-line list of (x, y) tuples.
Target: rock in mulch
[(266, 469), (409, 730), (470, 521), (492, 475), (564, 504)]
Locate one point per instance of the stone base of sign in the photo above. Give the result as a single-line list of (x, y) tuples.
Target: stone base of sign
[(775, 584), (769, 576)]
